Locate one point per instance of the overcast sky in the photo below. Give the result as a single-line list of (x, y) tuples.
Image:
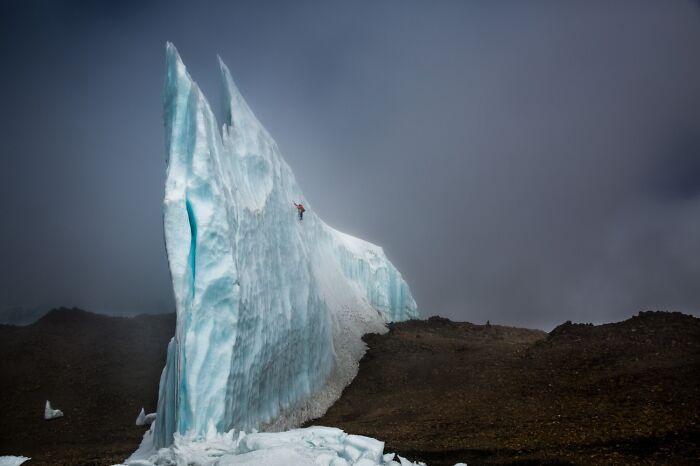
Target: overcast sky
[(523, 162)]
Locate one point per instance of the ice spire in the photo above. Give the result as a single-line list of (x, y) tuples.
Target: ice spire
[(270, 310)]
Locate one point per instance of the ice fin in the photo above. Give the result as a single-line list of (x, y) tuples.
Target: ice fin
[(50, 413), (270, 309)]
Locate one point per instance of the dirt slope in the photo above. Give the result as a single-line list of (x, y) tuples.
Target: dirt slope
[(98, 370), (618, 394)]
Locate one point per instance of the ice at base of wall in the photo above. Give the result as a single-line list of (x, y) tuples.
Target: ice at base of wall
[(312, 446)]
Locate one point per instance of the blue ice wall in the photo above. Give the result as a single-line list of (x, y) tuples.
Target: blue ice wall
[(270, 310)]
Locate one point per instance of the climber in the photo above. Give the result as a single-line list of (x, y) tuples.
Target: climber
[(300, 209)]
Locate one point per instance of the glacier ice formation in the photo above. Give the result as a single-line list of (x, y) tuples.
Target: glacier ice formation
[(50, 413), (144, 419), (312, 446), (13, 460), (270, 309)]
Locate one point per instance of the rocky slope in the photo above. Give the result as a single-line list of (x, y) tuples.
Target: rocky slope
[(98, 370), (618, 394), (440, 391)]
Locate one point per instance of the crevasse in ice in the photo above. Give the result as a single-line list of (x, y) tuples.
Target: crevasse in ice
[(270, 309)]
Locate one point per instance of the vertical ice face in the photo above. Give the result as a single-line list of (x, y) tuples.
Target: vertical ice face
[(270, 310)]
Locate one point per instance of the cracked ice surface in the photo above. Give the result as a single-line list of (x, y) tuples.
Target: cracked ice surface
[(270, 310), (313, 446)]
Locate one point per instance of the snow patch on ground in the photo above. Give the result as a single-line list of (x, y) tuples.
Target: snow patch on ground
[(12, 460), (50, 413)]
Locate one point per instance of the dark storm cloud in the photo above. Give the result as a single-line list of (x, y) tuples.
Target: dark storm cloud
[(525, 163), (677, 175)]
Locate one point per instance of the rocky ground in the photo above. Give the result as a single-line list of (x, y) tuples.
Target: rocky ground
[(98, 370), (439, 391), (618, 394)]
